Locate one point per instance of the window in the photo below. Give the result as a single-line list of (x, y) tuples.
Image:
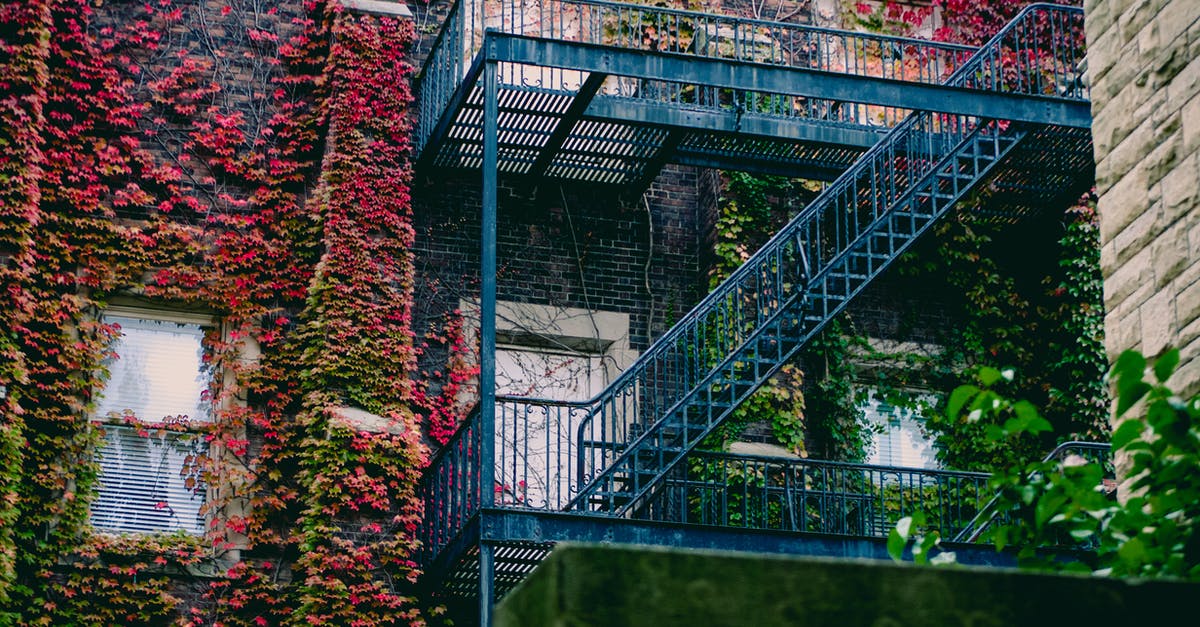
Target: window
[(898, 439), (157, 375), (536, 439), (559, 355), (557, 376)]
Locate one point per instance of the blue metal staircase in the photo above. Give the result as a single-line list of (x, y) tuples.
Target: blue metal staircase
[(584, 92), (764, 313)]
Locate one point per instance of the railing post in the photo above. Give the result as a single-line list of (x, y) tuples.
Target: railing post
[(487, 289), (487, 571), (487, 332)]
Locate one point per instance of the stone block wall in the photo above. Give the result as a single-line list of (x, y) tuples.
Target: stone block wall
[(1144, 73)]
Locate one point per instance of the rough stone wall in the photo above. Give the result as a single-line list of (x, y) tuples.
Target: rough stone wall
[(1145, 78)]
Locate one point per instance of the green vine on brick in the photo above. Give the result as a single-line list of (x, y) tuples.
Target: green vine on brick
[(751, 209), (1044, 320), (837, 427), (1036, 305)]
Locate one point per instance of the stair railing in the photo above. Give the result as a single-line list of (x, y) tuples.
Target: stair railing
[(450, 64), (757, 294), (681, 362), (814, 496), (1090, 452)]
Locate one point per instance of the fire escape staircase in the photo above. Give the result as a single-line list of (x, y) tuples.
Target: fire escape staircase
[(1010, 121), (762, 315)]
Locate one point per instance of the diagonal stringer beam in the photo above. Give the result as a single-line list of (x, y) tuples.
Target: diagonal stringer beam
[(562, 131)]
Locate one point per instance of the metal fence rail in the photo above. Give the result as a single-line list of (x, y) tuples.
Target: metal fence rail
[(1067, 453), (814, 496), (731, 341), (663, 30), (452, 487)]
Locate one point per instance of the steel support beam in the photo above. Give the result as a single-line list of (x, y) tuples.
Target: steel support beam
[(487, 285), (565, 124), (487, 584), (487, 326), (500, 525), (760, 165), (725, 73), (609, 109)]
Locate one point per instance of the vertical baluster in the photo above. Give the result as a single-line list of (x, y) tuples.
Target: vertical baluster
[(1062, 46)]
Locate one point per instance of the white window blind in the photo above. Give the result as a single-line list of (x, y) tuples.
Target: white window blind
[(899, 440), (143, 487), (158, 373), (147, 481)]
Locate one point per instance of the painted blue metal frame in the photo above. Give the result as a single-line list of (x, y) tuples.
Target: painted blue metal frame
[(506, 525), (833, 70), (961, 99), (800, 130), (661, 30), (1091, 452), (636, 476), (487, 327)]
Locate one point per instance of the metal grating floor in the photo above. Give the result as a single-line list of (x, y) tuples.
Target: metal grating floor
[(619, 152)]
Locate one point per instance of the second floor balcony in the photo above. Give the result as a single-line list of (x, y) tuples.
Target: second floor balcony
[(608, 92)]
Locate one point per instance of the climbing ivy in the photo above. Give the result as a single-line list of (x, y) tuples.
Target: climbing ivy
[(836, 426), (751, 208), (1152, 531), (1025, 292), (815, 414), (249, 160), (1041, 314)]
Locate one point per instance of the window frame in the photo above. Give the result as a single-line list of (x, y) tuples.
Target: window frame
[(893, 422), (594, 334), (177, 445)]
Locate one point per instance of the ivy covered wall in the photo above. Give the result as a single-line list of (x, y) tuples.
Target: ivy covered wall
[(247, 160)]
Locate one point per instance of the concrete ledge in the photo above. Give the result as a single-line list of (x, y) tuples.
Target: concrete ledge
[(602, 586), (378, 7)]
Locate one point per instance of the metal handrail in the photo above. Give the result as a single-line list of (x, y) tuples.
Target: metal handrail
[(817, 496), (699, 16), (451, 489), (677, 31), (871, 176), (975, 528)]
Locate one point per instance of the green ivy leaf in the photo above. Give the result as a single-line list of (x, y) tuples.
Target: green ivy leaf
[(1165, 365), (898, 538), (989, 376), (1128, 394), (1133, 551), (895, 545), (1128, 431), (959, 398), (1130, 364)]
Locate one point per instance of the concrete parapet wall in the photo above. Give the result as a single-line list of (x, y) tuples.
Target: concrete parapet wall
[(602, 586)]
